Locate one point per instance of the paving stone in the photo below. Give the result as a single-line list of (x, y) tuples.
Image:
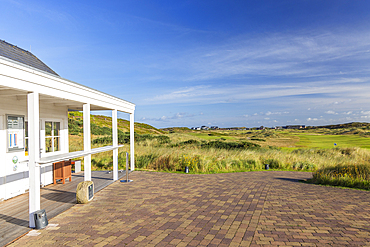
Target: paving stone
[(268, 208)]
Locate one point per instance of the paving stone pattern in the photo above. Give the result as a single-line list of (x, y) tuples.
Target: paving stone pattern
[(268, 208)]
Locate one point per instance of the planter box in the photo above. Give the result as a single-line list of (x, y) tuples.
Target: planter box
[(62, 170)]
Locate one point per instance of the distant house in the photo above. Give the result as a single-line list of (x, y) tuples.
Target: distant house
[(34, 107), (295, 127), (214, 127), (204, 127)]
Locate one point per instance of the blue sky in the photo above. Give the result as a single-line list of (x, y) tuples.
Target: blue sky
[(193, 63)]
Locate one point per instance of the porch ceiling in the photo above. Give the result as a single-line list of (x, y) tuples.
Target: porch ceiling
[(7, 92)]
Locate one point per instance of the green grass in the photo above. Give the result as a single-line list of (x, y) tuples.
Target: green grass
[(351, 176), (205, 136), (221, 151), (327, 141)]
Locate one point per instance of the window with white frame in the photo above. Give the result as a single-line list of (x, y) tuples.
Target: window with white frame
[(52, 136), (15, 133)]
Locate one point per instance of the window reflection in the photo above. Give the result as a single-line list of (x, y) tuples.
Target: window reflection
[(52, 137)]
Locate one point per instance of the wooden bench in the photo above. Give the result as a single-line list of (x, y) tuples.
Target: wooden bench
[(62, 170)]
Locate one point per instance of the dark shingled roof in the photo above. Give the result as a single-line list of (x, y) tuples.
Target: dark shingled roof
[(17, 54)]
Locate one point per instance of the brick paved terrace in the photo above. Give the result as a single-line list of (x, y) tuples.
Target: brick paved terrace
[(267, 208)]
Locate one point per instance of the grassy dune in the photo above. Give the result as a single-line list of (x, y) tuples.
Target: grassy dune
[(310, 150)]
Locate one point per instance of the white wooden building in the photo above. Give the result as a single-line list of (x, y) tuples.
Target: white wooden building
[(34, 105)]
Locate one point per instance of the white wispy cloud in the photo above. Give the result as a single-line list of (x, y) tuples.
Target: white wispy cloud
[(312, 119), (365, 112), (282, 54), (178, 115), (275, 113), (183, 93), (283, 72), (322, 53), (341, 92)]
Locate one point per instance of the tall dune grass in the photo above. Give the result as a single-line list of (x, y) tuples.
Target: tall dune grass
[(221, 160), (353, 176), (337, 166)]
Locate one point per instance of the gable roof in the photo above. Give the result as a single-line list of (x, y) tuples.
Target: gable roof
[(17, 54)]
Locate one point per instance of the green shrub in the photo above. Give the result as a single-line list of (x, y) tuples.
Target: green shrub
[(192, 162), (258, 139), (103, 140), (185, 143), (103, 164), (165, 163), (144, 160), (162, 139), (229, 145), (125, 138), (74, 126), (273, 163), (353, 176), (303, 165), (96, 130), (251, 145), (191, 141)]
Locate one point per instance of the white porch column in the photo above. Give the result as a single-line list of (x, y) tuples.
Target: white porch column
[(115, 143), (87, 141), (132, 140), (33, 154)]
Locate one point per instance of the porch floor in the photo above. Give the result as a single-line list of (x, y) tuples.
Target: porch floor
[(54, 199)]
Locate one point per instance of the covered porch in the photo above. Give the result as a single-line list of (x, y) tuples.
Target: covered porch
[(41, 100)]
